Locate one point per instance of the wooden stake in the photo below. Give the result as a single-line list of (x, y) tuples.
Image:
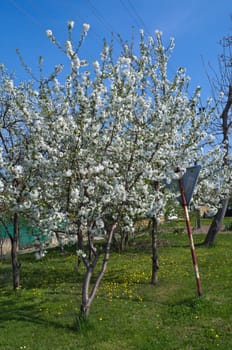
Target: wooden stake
[(191, 242)]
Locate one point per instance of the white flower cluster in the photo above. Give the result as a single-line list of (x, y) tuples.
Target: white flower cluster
[(49, 33), (70, 25), (80, 253), (85, 27)]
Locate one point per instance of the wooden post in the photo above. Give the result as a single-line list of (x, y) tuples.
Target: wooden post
[(189, 229)]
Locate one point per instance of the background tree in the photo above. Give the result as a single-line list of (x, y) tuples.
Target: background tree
[(23, 195), (221, 83), (18, 174)]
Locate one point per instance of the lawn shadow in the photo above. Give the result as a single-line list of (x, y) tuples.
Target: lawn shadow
[(29, 312), (188, 307)]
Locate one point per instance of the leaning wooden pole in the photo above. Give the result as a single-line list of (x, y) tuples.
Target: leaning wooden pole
[(190, 235)]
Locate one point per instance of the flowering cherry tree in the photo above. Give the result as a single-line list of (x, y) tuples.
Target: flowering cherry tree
[(19, 190), (111, 132), (22, 164)]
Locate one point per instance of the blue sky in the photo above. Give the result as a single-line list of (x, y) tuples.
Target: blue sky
[(196, 25)]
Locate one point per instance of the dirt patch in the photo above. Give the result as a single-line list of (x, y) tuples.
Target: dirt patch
[(202, 229), (205, 228)]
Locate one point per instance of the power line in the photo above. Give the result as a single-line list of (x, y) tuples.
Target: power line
[(100, 18), (132, 12), (25, 13), (137, 15)]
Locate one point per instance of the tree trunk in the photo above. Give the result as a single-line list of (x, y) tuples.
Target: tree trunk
[(86, 302), (87, 295), (14, 249), (198, 219), (79, 244), (216, 224), (155, 261), (124, 242), (1, 248)]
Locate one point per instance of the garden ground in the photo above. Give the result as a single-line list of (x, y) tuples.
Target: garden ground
[(128, 312)]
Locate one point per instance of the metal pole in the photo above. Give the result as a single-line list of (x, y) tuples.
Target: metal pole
[(189, 229)]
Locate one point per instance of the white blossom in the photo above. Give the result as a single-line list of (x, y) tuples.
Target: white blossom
[(69, 48), (68, 173), (18, 170), (85, 27), (1, 186), (96, 65), (80, 253), (70, 24), (76, 63), (49, 33), (34, 194)]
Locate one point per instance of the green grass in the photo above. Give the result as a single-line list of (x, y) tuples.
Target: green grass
[(128, 312)]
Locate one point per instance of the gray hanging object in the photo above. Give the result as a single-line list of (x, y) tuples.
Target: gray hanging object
[(189, 181)]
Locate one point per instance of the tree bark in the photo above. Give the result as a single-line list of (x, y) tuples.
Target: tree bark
[(87, 295), (1, 247), (198, 219), (124, 242), (14, 249), (155, 261), (79, 241), (216, 224)]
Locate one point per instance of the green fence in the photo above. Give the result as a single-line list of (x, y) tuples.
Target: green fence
[(27, 235)]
